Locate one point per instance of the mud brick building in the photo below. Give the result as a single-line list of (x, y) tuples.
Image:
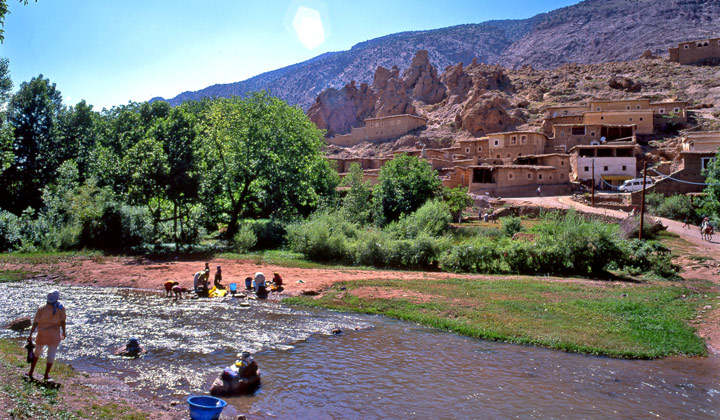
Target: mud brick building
[(382, 128), (701, 51)]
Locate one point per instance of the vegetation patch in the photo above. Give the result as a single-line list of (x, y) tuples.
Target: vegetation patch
[(13, 275), (614, 319)]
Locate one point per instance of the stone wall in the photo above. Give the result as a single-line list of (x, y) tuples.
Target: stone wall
[(699, 51)]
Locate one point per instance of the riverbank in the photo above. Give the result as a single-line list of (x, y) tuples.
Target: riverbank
[(81, 396), (620, 318)]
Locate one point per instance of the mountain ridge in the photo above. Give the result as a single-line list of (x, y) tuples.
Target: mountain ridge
[(587, 32)]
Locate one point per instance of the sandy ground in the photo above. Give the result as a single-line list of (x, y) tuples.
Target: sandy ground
[(708, 322)]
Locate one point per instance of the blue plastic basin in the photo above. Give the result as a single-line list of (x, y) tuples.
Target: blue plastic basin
[(205, 408), (233, 287)]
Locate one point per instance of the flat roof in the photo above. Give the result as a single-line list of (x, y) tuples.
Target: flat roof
[(604, 146), (542, 155), (621, 111), (618, 100), (594, 125), (515, 132), (535, 167), (393, 116)]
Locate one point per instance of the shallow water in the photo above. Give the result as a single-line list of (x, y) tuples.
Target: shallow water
[(377, 368)]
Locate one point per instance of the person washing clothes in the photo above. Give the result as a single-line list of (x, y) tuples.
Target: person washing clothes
[(51, 330)]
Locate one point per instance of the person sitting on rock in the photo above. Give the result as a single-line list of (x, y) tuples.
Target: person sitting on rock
[(276, 284), (260, 288), (132, 349), (246, 366)]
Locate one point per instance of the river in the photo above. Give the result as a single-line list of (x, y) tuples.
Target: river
[(377, 368)]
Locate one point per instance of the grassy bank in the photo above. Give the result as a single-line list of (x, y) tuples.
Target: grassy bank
[(619, 320), (73, 401)]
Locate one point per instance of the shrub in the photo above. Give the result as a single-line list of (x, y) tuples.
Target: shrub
[(322, 237), (10, 233), (630, 228), (511, 225), (649, 256), (245, 239), (270, 233), (478, 256), (676, 207), (433, 219)]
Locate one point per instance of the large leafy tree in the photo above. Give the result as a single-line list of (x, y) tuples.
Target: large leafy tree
[(404, 184), (6, 139), (262, 155), (711, 205), (38, 152), (77, 127)]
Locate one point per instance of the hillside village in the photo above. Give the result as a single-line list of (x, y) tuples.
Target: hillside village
[(481, 127)]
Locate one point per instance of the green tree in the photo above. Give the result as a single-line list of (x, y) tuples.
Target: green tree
[(6, 138), (148, 169), (262, 152), (33, 113), (711, 203), (357, 203), (404, 184), (458, 200), (77, 129)]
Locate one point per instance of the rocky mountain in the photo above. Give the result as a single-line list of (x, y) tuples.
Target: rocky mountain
[(591, 31)]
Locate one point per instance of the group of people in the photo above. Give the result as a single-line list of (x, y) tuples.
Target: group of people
[(201, 284)]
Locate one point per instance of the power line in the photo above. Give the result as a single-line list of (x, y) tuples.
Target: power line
[(681, 181)]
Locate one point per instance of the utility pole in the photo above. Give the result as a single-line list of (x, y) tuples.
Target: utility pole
[(642, 202), (592, 202)]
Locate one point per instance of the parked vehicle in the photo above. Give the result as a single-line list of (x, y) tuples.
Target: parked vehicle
[(635, 184)]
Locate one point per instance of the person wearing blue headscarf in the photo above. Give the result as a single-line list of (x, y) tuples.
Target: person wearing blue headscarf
[(50, 324)]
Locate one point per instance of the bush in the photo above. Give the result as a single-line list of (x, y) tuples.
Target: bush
[(270, 233), (649, 256), (433, 219), (245, 239), (630, 228), (479, 256), (676, 207), (10, 232), (511, 225), (322, 237)]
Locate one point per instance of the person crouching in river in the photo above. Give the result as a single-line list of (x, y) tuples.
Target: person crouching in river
[(260, 287), (50, 324)]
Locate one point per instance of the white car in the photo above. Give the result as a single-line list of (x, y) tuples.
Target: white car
[(635, 184)]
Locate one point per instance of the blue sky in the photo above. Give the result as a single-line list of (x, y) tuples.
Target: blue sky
[(111, 52)]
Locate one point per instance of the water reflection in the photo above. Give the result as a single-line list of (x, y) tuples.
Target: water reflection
[(391, 370)]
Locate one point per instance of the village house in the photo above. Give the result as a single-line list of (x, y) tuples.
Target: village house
[(381, 128), (510, 145), (700, 51), (567, 136), (611, 164), (645, 115), (517, 179), (698, 151)]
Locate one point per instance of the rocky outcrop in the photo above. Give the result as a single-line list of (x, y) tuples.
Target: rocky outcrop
[(486, 113), (19, 324), (422, 81), (624, 83), (337, 111)]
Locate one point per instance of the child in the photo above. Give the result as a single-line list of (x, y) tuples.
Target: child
[(178, 290), (168, 287)]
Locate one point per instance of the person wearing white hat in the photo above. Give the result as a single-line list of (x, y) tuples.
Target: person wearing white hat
[(50, 324)]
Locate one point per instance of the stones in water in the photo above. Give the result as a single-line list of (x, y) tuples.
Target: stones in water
[(20, 324)]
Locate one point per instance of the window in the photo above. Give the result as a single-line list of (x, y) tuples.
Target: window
[(562, 133), (513, 139), (597, 109), (704, 162), (562, 163), (592, 134), (699, 44), (498, 156), (578, 131), (529, 176), (602, 118), (539, 176), (496, 143), (605, 168), (686, 46), (624, 168), (676, 110), (638, 107), (523, 139), (467, 150), (630, 119), (479, 148), (587, 169), (662, 110), (641, 118), (562, 176), (508, 155), (627, 107), (550, 177), (510, 175)]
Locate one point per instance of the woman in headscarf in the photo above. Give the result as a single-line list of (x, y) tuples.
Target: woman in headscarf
[(50, 324)]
